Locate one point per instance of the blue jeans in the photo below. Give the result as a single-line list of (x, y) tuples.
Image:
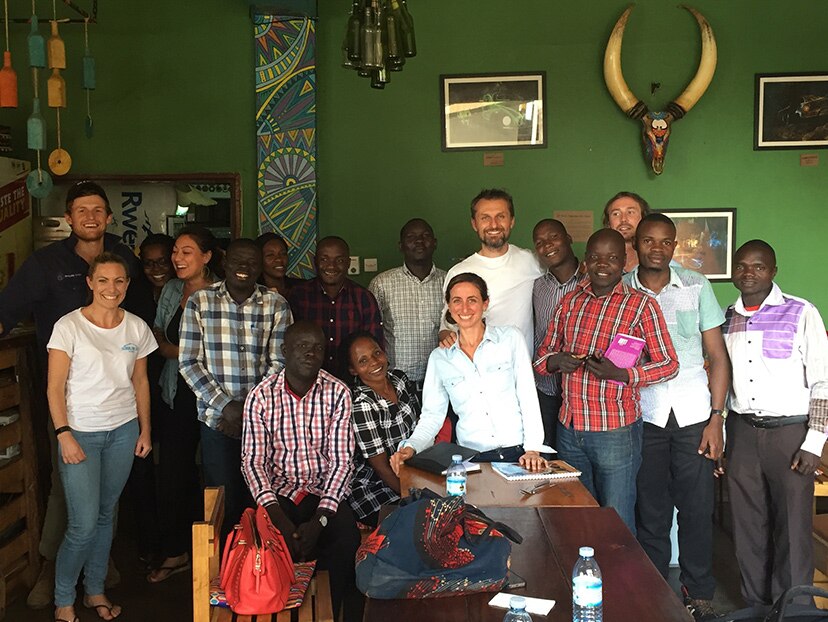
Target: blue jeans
[(221, 461), (609, 462), (92, 489)]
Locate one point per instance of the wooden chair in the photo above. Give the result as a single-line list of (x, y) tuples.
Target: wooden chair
[(820, 531), (206, 535)]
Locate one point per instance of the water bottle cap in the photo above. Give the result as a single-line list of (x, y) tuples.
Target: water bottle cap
[(586, 551), (457, 458), (517, 602)]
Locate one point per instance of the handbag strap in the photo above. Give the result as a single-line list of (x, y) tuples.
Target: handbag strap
[(784, 603), (477, 514)]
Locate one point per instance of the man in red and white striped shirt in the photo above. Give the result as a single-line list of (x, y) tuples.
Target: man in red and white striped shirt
[(297, 458), (599, 425)]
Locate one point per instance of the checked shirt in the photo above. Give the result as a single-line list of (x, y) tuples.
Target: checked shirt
[(379, 427), (585, 324), (225, 349), (293, 446)]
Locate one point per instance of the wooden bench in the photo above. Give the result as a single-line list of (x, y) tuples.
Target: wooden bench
[(206, 535)]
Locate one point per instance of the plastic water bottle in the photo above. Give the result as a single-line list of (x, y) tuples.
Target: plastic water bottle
[(517, 610), (587, 596), (456, 477)]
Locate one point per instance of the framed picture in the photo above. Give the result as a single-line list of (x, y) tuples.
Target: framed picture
[(791, 111), (493, 111), (705, 240)]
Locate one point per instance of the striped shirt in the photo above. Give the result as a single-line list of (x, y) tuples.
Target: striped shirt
[(411, 311), (226, 348), (585, 324), (379, 426), (292, 446), (547, 293)]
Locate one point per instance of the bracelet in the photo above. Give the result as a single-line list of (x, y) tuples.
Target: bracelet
[(716, 411), (62, 429)]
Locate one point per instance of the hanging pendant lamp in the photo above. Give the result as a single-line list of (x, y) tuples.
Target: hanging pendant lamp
[(37, 44), (8, 76)]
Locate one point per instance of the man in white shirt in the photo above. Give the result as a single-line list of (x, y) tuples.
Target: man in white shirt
[(776, 426), (509, 271), (410, 299)]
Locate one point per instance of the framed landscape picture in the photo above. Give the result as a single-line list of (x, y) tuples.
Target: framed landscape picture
[(791, 111), (704, 240), (493, 111)]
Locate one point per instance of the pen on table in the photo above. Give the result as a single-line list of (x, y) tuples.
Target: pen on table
[(538, 487)]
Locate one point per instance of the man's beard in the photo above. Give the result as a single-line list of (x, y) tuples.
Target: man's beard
[(494, 244)]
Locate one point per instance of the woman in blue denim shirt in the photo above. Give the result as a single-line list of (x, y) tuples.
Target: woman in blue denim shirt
[(179, 491)]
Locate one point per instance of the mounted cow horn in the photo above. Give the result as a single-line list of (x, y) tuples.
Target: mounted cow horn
[(656, 125)]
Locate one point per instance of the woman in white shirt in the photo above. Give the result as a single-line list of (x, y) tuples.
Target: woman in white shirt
[(487, 377), (99, 401)]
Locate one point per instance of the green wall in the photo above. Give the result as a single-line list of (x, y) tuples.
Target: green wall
[(380, 151), (175, 94)]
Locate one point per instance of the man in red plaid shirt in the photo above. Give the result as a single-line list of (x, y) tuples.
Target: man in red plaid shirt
[(599, 424)]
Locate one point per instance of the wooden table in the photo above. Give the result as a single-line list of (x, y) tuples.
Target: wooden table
[(488, 489), (633, 588)]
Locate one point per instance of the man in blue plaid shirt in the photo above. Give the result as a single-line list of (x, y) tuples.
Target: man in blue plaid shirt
[(231, 338)]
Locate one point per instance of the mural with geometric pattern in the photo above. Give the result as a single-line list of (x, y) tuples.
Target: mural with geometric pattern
[(286, 134)]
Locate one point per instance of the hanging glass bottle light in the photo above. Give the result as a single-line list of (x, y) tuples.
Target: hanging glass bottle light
[(379, 36)]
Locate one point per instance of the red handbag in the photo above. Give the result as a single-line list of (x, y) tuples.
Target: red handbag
[(256, 569)]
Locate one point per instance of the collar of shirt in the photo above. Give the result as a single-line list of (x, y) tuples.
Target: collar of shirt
[(110, 241), (775, 298), (577, 276), (346, 285), (675, 281), (256, 296), (488, 335), (282, 383), (411, 275), (362, 390), (620, 288)]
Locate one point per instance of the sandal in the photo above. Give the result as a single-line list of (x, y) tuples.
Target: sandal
[(110, 608), (163, 572), (57, 619)]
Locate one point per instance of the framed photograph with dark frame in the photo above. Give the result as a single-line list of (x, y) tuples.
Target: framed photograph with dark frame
[(791, 111), (493, 111), (705, 240)]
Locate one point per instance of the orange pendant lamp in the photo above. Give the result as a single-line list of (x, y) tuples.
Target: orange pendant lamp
[(8, 76)]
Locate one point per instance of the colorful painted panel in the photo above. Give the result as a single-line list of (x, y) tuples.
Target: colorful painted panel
[(286, 134)]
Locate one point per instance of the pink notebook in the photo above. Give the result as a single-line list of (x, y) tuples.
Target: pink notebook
[(625, 351)]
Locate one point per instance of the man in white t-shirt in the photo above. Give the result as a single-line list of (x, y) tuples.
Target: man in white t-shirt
[(509, 271)]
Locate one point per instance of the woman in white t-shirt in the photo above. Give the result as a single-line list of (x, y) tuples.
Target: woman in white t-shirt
[(99, 400)]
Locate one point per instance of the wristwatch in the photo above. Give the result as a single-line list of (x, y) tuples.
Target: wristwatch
[(323, 520)]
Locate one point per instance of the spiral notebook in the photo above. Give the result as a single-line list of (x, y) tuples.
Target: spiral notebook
[(555, 469)]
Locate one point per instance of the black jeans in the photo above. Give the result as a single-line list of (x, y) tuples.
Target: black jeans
[(336, 549), (550, 407), (672, 474), (179, 491)]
